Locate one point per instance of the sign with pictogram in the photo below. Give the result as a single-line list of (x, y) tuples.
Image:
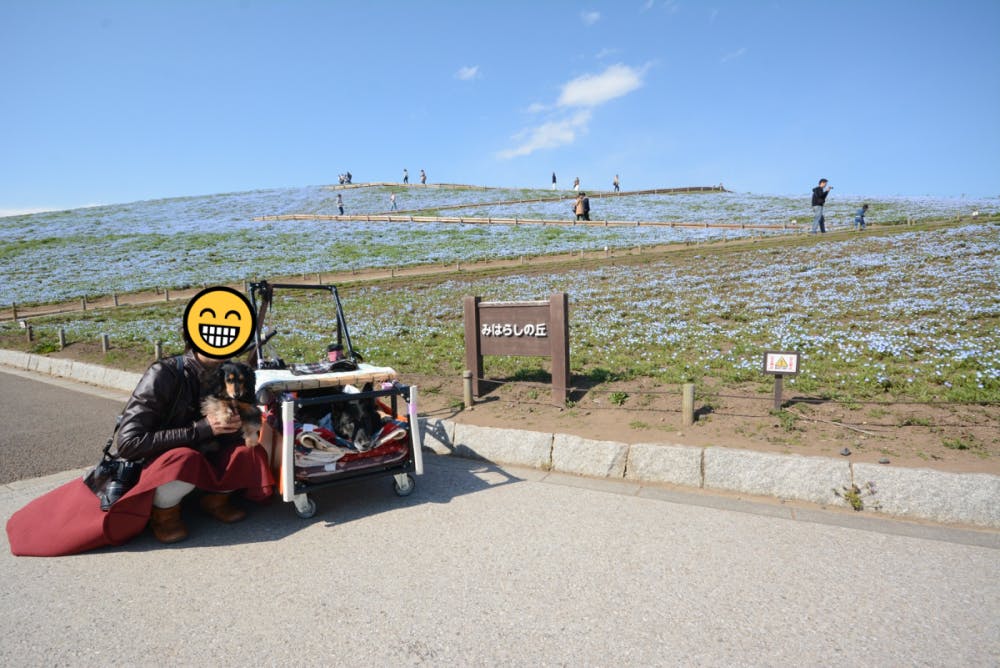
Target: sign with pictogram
[(780, 364)]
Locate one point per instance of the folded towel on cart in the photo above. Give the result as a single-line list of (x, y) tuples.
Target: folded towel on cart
[(310, 368)]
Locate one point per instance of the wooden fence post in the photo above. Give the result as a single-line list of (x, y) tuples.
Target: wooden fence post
[(467, 389), (687, 404)]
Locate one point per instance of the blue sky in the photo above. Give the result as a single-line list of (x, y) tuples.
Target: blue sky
[(106, 102)]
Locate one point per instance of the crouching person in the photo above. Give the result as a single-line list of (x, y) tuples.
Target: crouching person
[(163, 419), (190, 423)]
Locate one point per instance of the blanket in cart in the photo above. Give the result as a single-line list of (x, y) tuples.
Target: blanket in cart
[(319, 453), (69, 519)]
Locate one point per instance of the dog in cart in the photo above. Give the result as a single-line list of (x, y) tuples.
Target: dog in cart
[(335, 418)]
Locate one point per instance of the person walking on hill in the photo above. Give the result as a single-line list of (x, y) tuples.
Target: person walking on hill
[(340, 204), (818, 202), (423, 178), (553, 180), (392, 202), (406, 177), (616, 184)]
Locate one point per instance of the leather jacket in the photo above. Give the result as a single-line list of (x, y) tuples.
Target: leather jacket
[(164, 410)]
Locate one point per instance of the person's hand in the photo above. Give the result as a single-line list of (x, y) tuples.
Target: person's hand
[(224, 424)]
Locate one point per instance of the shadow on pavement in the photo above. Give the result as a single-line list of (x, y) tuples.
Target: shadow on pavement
[(444, 479)]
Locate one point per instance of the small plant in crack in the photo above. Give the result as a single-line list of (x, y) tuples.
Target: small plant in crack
[(855, 496)]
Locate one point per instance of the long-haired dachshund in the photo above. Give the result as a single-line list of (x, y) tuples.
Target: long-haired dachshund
[(229, 389)]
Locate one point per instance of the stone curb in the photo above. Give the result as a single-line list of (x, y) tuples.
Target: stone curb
[(83, 372), (966, 498), (958, 498)]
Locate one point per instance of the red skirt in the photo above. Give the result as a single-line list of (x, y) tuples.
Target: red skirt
[(69, 519)]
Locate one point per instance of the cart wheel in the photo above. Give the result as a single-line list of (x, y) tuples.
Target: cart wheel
[(305, 507), (404, 484)]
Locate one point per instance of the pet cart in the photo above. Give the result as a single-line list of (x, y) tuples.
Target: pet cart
[(333, 421)]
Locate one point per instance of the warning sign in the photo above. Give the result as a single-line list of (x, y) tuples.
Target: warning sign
[(781, 363)]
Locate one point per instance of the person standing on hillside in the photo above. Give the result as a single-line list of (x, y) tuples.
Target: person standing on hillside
[(553, 180), (406, 177), (392, 202), (581, 207), (576, 184), (340, 204), (818, 202), (423, 178), (616, 184)]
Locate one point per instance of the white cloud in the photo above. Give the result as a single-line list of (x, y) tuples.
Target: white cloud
[(549, 135), (671, 6), (467, 73), (738, 53), (591, 90), (590, 18), (573, 109)]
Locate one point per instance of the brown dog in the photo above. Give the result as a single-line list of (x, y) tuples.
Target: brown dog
[(229, 389)]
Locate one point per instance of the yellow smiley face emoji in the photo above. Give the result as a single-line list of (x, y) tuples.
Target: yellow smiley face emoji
[(219, 322)]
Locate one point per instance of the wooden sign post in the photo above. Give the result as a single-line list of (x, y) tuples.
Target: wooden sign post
[(779, 365), (532, 329)]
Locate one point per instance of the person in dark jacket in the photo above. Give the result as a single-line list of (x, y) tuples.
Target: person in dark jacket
[(164, 413), (818, 202)]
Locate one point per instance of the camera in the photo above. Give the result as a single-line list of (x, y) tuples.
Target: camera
[(123, 473)]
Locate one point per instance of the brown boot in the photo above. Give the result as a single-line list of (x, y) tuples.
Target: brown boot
[(166, 524), (218, 506)]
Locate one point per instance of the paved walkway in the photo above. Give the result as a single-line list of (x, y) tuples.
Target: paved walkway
[(485, 565)]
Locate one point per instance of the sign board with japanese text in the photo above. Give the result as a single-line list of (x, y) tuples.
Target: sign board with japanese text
[(530, 329)]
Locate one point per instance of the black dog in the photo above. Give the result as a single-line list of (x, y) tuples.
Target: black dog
[(229, 389), (358, 421)]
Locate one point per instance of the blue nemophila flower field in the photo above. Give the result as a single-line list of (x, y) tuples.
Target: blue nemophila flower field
[(190, 241), (911, 314)]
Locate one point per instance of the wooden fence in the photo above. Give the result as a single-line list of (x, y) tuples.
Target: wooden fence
[(472, 220)]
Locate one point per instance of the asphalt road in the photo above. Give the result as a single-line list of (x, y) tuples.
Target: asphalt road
[(485, 565), (52, 426)]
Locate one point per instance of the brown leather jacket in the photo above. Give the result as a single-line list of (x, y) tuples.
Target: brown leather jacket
[(148, 428)]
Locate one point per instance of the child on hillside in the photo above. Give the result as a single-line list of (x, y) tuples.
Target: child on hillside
[(859, 217)]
